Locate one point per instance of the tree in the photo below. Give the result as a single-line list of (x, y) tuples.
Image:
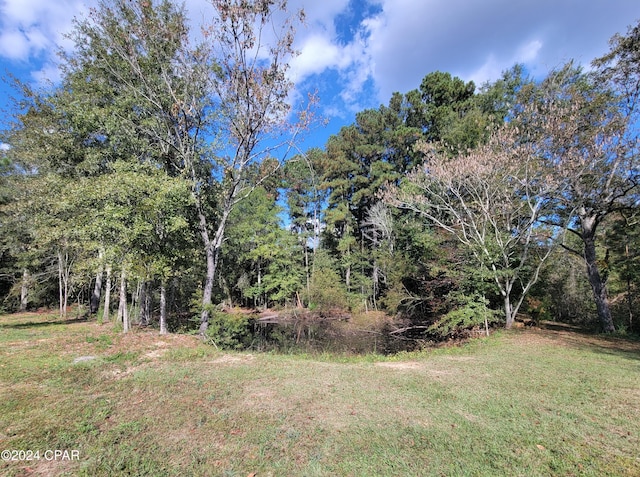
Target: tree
[(492, 200), (622, 241), (212, 110), (359, 160), (443, 103), (587, 141), (259, 257), (164, 88), (44, 140), (305, 201), (252, 57), (380, 148)]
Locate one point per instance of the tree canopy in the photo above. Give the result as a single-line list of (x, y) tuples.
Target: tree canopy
[(171, 167)]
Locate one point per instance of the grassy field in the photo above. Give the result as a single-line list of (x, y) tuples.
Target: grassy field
[(526, 403)]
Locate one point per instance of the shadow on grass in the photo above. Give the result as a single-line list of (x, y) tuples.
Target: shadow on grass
[(46, 322), (576, 337)]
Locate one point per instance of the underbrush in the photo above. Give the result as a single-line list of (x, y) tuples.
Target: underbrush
[(305, 331)]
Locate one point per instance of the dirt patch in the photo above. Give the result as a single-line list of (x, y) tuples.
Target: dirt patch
[(233, 359), (162, 348), (401, 365), (49, 468), (461, 359), (426, 366)]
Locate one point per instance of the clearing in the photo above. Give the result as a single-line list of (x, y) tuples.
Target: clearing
[(534, 402)]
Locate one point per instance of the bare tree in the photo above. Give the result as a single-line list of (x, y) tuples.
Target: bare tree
[(491, 199), (378, 228)]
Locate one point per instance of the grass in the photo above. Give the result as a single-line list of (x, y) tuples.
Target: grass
[(529, 403)]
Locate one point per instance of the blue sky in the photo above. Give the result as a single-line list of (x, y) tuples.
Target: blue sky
[(355, 53)]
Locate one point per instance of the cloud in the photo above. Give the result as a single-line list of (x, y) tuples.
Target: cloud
[(14, 45), (34, 28), (334, 54), (48, 75), (493, 67), (360, 51), (478, 40), (317, 54)]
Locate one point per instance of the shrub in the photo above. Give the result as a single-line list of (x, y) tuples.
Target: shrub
[(230, 331), (473, 312)]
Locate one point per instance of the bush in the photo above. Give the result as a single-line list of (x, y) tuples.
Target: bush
[(230, 331), (326, 291), (472, 313)]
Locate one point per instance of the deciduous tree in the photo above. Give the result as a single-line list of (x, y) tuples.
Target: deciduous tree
[(492, 200), (587, 141)]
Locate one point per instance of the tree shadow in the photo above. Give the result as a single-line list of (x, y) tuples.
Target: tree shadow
[(44, 323), (580, 338)]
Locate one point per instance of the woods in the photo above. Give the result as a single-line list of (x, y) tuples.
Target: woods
[(164, 176)]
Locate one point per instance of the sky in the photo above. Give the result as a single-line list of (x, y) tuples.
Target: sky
[(356, 53)]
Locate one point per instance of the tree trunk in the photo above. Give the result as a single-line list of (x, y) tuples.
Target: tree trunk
[(598, 285), (60, 293), (257, 299), (207, 292), (24, 290), (94, 302), (629, 296), (212, 250), (107, 296), (145, 303), (508, 311), (347, 278), (163, 308), (63, 282), (306, 269), (375, 278), (123, 313)]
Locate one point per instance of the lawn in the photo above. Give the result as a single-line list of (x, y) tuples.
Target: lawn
[(535, 402)]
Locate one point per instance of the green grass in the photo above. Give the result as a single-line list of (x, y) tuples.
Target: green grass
[(529, 403)]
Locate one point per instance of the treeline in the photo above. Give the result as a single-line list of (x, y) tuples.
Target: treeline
[(157, 180)]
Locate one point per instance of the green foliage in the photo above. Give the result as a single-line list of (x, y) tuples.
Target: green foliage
[(160, 152), (230, 331), (326, 290), (262, 261), (621, 264), (472, 312)]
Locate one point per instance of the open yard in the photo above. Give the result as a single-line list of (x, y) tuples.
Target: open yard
[(529, 403)]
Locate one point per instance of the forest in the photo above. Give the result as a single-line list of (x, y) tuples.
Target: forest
[(161, 183)]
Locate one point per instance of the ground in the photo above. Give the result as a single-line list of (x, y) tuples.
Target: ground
[(549, 401)]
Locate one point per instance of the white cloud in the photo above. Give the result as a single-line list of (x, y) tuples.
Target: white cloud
[(4, 146), (529, 52), (14, 45), (319, 14), (47, 75), (317, 53), (389, 50), (34, 28), (493, 66), (478, 40)]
